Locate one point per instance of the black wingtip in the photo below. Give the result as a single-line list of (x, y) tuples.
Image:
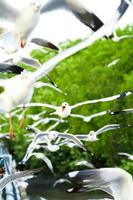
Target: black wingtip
[(15, 69)]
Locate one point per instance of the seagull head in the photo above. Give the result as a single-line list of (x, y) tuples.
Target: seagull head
[(92, 136), (35, 4), (52, 135), (64, 106)]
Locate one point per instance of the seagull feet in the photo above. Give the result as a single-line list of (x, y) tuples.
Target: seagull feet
[(22, 122), (11, 133), (22, 44)]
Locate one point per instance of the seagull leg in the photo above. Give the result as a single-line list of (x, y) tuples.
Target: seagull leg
[(22, 43), (23, 117), (10, 127)]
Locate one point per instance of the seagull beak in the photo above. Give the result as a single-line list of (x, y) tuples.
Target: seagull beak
[(63, 108)]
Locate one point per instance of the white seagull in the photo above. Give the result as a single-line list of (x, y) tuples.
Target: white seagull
[(18, 90), (25, 21), (65, 109), (115, 181)]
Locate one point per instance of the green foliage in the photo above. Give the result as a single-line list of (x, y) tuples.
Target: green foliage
[(84, 76)]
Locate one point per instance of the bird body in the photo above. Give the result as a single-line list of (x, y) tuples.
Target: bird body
[(26, 22), (17, 90)]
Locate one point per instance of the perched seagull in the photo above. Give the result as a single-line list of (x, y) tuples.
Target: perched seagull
[(9, 178), (25, 21), (86, 16), (125, 111), (65, 109), (129, 156), (115, 181)]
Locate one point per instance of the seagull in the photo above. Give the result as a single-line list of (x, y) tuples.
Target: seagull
[(115, 181), (129, 156), (9, 178), (17, 90), (92, 136), (86, 16), (25, 21), (65, 109)]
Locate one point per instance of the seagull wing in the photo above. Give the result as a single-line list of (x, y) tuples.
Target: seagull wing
[(118, 96), (107, 128), (72, 138), (44, 43), (111, 180), (15, 69), (45, 159), (125, 111), (4, 181), (7, 12), (122, 8), (39, 105), (30, 61), (53, 5), (123, 153), (85, 15)]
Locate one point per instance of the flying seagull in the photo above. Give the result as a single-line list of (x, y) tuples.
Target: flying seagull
[(17, 90), (25, 21), (65, 109), (115, 181)]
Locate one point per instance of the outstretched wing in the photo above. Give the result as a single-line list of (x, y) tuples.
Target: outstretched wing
[(85, 15), (4, 181)]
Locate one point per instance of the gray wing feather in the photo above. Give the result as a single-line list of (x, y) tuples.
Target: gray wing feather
[(4, 181), (44, 43)]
